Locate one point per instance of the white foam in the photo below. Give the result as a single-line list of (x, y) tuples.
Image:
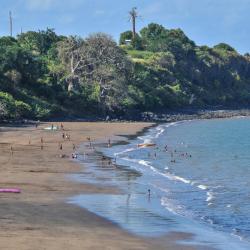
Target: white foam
[(170, 176), (182, 179), (210, 196), (203, 187), (145, 163), (125, 151), (165, 202)]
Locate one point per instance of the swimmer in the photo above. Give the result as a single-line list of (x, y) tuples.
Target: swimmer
[(109, 143)]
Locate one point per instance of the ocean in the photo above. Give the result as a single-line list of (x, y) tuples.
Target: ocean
[(195, 179)]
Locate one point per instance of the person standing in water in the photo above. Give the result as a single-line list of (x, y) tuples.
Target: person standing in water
[(109, 143)]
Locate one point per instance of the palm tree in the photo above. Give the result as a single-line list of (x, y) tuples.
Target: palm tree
[(133, 15)]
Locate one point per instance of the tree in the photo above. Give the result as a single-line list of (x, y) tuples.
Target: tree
[(154, 37), (133, 15), (127, 35), (71, 54), (109, 69), (39, 42), (96, 61), (224, 46)]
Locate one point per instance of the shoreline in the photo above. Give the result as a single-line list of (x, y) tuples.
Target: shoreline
[(40, 213), (142, 117), (125, 141)]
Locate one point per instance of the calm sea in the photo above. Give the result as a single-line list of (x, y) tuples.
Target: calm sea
[(198, 175)]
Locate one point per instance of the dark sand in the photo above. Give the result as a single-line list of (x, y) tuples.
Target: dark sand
[(39, 217)]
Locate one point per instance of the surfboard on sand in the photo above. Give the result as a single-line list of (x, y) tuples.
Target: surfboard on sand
[(145, 145), (10, 190)]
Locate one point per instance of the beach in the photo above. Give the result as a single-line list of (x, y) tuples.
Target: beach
[(39, 217)]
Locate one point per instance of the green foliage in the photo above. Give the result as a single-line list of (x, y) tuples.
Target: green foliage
[(22, 109), (125, 36), (14, 109), (43, 75), (224, 46)]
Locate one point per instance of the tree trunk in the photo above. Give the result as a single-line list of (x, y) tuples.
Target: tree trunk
[(134, 31)]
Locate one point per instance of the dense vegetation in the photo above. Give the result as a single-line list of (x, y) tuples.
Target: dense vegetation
[(43, 75)]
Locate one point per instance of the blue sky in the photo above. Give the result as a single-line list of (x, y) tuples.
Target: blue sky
[(204, 21)]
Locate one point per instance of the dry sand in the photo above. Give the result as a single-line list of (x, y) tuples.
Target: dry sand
[(39, 218)]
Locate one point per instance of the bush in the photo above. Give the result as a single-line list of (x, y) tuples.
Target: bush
[(22, 110)]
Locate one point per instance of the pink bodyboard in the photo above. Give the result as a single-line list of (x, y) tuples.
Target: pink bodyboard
[(10, 190)]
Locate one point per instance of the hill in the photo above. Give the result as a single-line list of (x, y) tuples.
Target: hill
[(44, 75)]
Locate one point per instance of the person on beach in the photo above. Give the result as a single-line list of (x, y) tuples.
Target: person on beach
[(104, 159), (74, 146), (60, 146), (63, 135), (52, 126), (11, 150), (109, 143), (74, 156), (62, 127), (67, 136)]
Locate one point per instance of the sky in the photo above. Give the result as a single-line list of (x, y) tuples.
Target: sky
[(206, 22)]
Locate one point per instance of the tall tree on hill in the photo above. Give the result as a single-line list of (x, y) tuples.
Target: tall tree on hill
[(133, 15)]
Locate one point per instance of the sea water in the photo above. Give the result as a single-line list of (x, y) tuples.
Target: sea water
[(196, 179)]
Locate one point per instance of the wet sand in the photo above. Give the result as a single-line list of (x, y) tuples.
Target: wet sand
[(38, 217)]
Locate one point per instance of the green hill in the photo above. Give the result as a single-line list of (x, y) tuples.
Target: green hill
[(43, 75)]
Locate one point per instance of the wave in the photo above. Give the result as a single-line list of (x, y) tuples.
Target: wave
[(203, 187), (125, 151), (156, 132)]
